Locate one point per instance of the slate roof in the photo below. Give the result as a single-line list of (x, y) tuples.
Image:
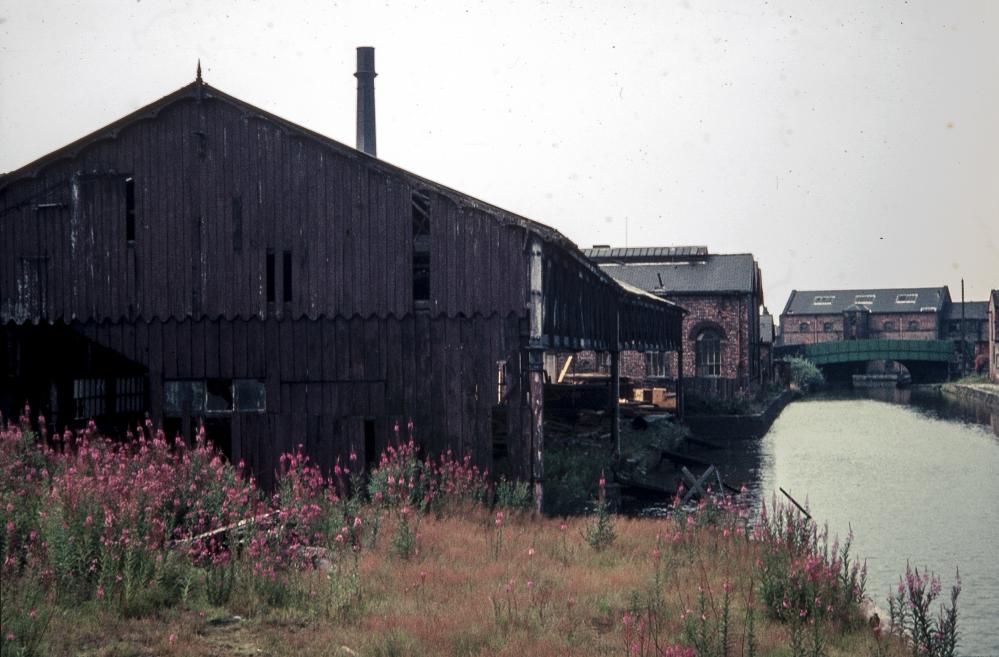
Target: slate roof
[(972, 310), (698, 274), (834, 302)]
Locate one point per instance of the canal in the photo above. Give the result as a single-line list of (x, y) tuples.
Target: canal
[(916, 477)]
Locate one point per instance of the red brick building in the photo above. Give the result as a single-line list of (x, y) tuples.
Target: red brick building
[(722, 295), (975, 330), (813, 316)]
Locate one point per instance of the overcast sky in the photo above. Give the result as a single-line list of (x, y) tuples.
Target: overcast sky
[(844, 144)]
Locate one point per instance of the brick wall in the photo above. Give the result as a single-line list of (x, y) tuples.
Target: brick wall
[(904, 326), (738, 318), (736, 315)]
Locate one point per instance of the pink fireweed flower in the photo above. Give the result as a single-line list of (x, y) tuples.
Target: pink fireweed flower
[(509, 586), (530, 552), (530, 584), (499, 518), (563, 526), (357, 521)]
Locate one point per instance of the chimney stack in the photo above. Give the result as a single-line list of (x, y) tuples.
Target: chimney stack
[(366, 100)]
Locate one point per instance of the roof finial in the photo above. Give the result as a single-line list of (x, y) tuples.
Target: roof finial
[(198, 76)]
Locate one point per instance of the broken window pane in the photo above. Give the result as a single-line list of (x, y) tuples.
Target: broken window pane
[(251, 395), (178, 394), (218, 397)]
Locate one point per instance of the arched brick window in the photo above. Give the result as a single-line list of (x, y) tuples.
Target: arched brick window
[(708, 353)]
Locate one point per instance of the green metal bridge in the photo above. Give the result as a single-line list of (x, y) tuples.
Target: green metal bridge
[(926, 360)]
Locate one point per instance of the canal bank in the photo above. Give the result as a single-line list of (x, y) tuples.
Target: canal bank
[(912, 477), (986, 394), (738, 427)]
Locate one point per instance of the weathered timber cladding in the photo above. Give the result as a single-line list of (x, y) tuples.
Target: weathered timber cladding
[(346, 226), (264, 252), (302, 399)]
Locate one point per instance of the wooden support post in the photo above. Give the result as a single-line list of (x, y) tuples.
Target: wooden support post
[(679, 376), (536, 367), (536, 376), (615, 383), (615, 401)]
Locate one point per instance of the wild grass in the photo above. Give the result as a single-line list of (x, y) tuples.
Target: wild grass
[(421, 564)]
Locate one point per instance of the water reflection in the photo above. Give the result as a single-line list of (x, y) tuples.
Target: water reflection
[(912, 472), (914, 475)]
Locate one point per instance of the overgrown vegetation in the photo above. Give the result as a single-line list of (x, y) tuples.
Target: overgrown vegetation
[(805, 375), (158, 548)]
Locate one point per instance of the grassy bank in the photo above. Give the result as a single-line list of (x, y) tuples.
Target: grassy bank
[(165, 549)]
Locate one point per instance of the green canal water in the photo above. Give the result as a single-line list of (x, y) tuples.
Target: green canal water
[(916, 477)]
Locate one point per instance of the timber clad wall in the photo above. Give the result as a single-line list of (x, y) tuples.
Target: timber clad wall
[(202, 244), (216, 189)]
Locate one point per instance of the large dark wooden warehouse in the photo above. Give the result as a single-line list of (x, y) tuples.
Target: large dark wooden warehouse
[(201, 260)]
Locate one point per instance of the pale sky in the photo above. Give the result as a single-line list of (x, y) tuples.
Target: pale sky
[(844, 144)]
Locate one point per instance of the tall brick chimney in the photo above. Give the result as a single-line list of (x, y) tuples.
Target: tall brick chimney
[(366, 100)]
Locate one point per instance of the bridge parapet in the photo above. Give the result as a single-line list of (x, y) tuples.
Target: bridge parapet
[(854, 351)]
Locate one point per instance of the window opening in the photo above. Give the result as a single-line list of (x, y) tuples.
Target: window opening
[(866, 299), (803, 327), (88, 398), (249, 395), (823, 300), (501, 389), (130, 394), (421, 249), (130, 209), (708, 353), (827, 327), (889, 326), (906, 298), (218, 395), (181, 393), (913, 326), (655, 363)]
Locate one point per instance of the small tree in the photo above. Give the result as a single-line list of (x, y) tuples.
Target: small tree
[(804, 373)]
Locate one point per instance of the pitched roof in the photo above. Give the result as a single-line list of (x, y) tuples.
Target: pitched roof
[(200, 89), (972, 310), (887, 300), (703, 274)]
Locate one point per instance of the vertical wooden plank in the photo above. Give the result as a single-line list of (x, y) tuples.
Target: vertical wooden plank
[(194, 337), (212, 346), (171, 365)]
